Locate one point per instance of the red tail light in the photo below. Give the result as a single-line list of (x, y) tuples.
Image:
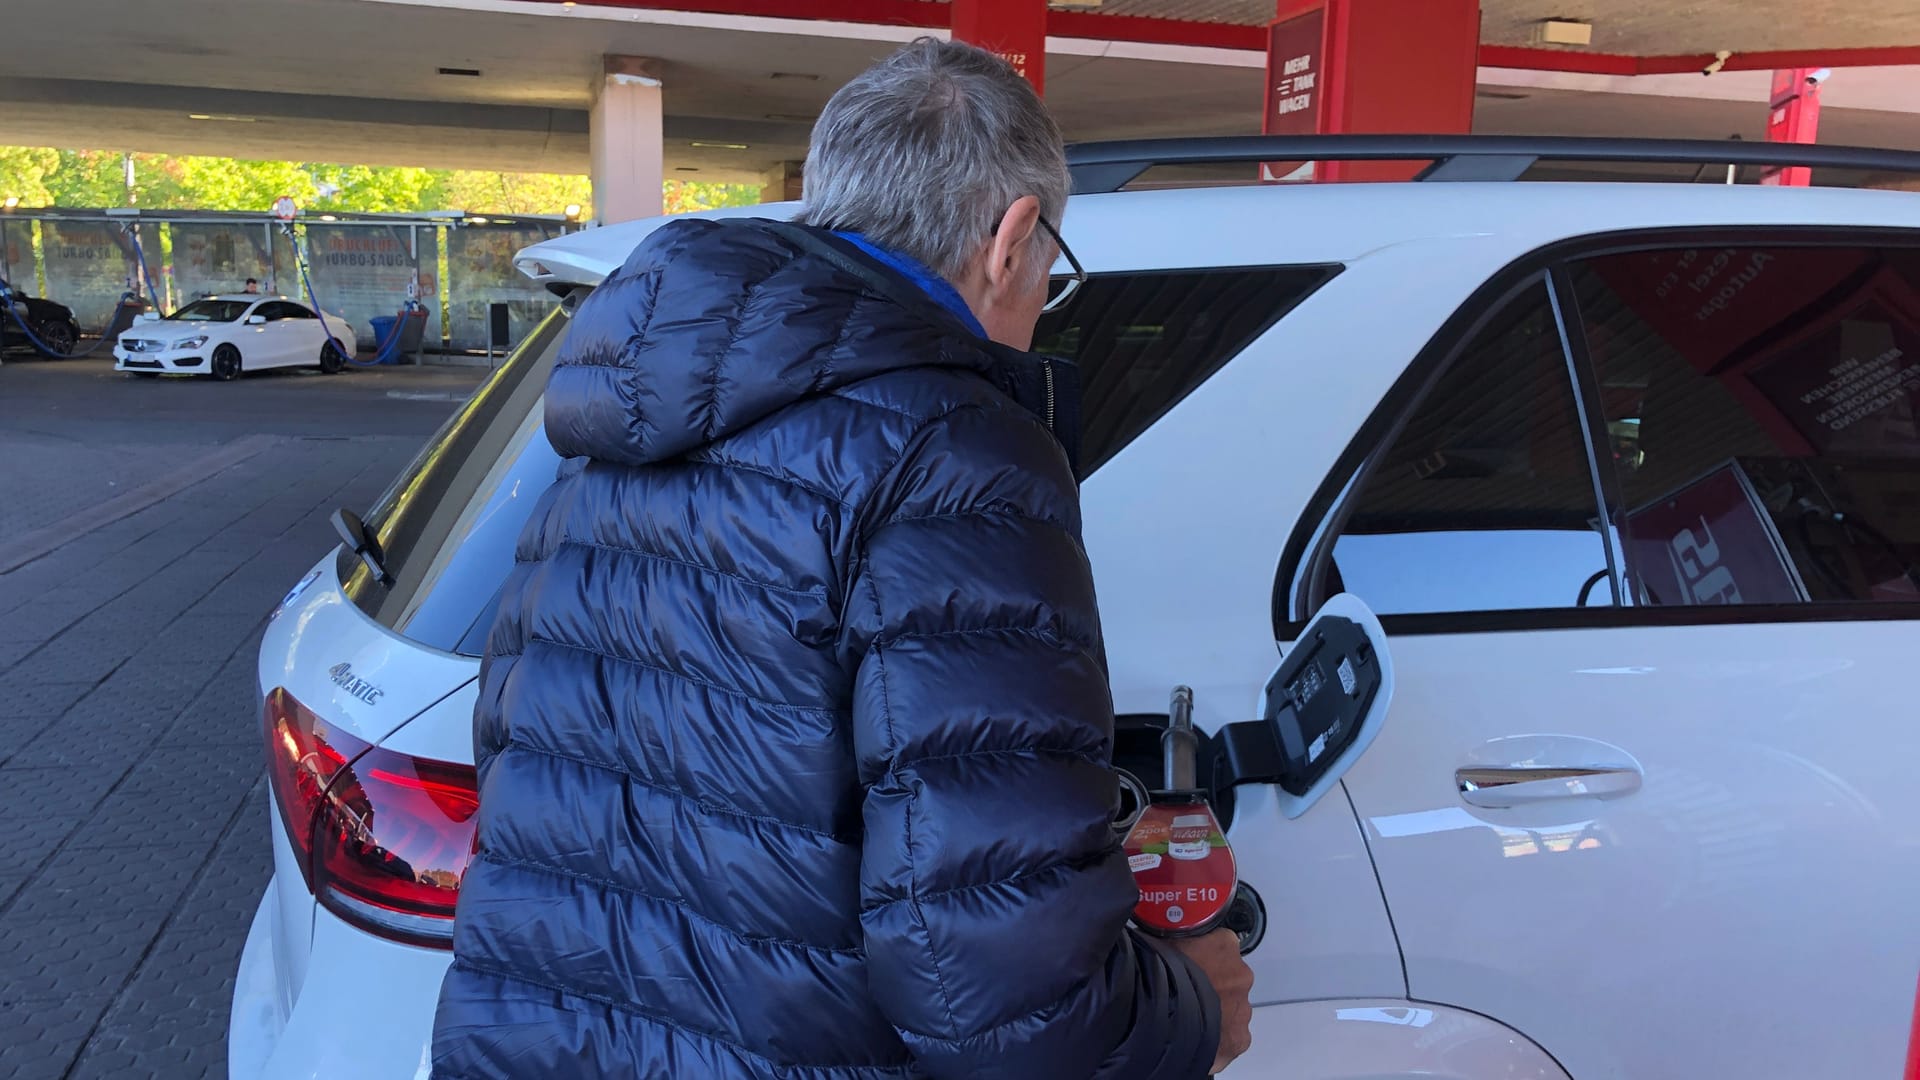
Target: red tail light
[(382, 838)]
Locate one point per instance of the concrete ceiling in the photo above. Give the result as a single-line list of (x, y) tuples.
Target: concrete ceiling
[(1634, 27), (359, 81), (1667, 27)]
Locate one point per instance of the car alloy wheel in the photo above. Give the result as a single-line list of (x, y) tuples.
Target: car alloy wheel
[(331, 361), (226, 363), (57, 339)]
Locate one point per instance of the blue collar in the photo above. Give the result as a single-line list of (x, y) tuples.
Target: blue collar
[(935, 286)]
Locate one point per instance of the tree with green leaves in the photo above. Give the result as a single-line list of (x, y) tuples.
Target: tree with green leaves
[(97, 179)]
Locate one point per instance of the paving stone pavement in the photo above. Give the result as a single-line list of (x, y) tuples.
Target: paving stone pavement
[(133, 820)]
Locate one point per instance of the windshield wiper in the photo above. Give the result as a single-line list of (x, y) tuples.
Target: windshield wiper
[(363, 543)]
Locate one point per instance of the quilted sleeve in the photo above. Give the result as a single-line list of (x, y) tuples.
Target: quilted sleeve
[(994, 896)]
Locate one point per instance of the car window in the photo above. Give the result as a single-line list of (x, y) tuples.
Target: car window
[(448, 523), (1485, 500), (1763, 405), (1144, 341), (276, 310), (211, 311)]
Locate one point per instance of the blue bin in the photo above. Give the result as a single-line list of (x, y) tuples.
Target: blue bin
[(383, 335)]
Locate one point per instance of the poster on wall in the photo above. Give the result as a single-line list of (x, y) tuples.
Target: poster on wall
[(480, 264), (16, 255), (284, 278), (210, 259), (88, 267), (360, 271)]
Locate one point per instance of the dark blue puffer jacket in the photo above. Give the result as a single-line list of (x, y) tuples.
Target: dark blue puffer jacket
[(794, 733)]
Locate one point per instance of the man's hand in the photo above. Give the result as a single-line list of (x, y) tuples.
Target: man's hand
[(1218, 955)]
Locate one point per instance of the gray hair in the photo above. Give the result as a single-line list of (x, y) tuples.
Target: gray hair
[(924, 151)]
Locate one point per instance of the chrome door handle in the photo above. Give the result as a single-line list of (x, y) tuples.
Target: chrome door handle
[(1497, 786)]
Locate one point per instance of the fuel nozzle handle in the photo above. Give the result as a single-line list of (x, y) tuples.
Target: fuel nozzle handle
[(1179, 746)]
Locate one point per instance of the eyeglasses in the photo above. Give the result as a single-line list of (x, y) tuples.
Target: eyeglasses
[(1061, 289)]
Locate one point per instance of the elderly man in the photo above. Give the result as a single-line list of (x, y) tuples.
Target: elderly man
[(794, 734)]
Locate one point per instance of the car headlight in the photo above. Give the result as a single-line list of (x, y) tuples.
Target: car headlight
[(191, 342)]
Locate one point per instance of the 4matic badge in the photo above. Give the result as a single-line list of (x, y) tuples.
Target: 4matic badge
[(344, 678)]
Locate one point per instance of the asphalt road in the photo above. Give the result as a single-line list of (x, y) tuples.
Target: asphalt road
[(146, 528)]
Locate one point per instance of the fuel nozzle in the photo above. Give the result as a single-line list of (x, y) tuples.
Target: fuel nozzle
[(1179, 856), (1180, 747)]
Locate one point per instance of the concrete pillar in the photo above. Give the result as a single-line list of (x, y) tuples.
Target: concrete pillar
[(781, 183), (627, 142)]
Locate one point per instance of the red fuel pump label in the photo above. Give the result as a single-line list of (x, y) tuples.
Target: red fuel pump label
[(1183, 866)]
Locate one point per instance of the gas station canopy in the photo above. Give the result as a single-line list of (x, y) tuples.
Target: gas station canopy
[(508, 84)]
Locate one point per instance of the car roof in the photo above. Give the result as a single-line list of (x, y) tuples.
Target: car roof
[(243, 297), (1335, 223)]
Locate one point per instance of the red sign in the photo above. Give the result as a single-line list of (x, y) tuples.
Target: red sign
[(1014, 30), (1793, 116), (1183, 866), (1711, 542), (1293, 87)]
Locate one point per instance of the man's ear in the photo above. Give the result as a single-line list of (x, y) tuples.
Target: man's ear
[(1011, 253)]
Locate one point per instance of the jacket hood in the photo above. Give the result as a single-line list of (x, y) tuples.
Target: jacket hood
[(714, 324)]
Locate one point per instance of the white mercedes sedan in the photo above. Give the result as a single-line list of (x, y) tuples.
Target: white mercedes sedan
[(227, 336)]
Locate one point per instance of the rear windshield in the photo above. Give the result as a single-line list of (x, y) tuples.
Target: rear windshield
[(1143, 342), (449, 522), (212, 311)]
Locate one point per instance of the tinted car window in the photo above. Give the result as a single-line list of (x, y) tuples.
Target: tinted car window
[(1144, 341), (212, 311), (448, 524), (1763, 405), (1485, 500)]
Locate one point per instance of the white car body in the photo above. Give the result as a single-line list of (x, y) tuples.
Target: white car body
[(267, 332), (1718, 889)]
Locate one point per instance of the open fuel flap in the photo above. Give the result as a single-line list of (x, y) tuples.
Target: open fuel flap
[(1322, 708)]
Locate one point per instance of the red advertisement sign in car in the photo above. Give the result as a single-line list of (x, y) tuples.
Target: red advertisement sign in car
[(1850, 383), (1711, 542)]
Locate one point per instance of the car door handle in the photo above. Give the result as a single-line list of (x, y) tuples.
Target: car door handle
[(1499, 786)]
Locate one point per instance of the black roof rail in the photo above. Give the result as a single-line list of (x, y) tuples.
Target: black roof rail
[(1110, 166)]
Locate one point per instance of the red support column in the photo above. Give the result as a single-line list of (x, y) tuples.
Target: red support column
[(1015, 29), (1380, 67), (1793, 116), (1913, 1042)]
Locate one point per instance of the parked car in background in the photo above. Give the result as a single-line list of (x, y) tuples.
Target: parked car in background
[(52, 323), (227, 336), (1627, 472)]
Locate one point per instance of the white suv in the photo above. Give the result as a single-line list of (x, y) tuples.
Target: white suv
[(1630, 473)]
